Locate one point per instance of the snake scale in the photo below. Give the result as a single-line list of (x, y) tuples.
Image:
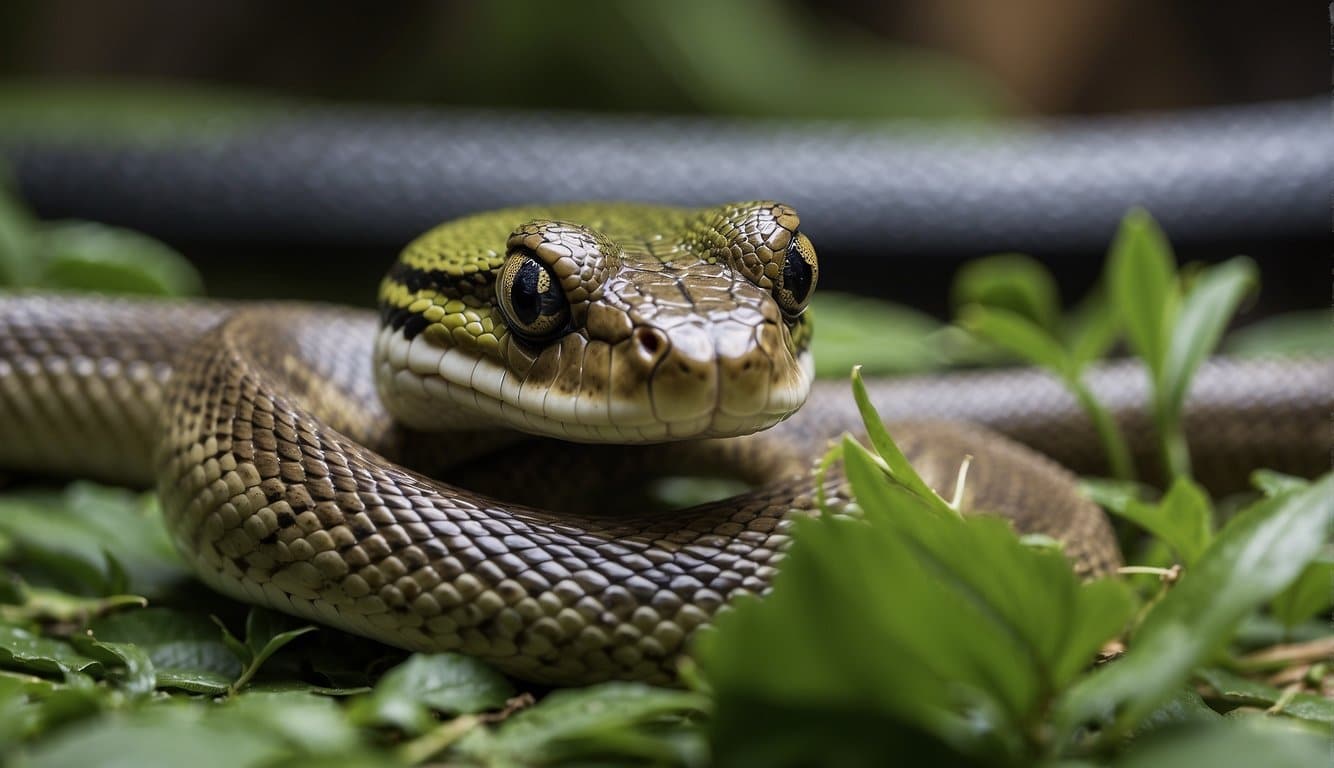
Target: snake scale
[(289, 443)]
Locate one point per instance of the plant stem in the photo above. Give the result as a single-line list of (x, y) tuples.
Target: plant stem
[(1113, 442)]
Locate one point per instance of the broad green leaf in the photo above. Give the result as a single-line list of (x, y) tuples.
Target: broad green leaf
[(83, 535), (610, 719), (311, 724), (1293, 333), (1183, 707), (185, 648), (881, 337), (449, 683), (1236, 689), (1018, 335), (1204, 314), (1142, 280), (21, 649), (973, 634), (124, 663), (92, 257), (1254, 557), (1182, 519), (1311, 593), (1012, 282), (1204, 745), (177, 733)]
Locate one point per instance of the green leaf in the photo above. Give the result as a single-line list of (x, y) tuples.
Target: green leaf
[(1272, 483), (21, 649), (610, 719), (178, 733), (266, 633), (449, 683), (1012, 282), (1292, 333), (1183, 518), (75, 535), (126, 664), (845, 323), (18, 264), (1311, 593), (890, 458), (921, 622), (1204, 745), (1142, 280), (1018, 335), (1255, 556), (1093, 328), (1204, 314), (85, 256), (1235, 689), (184, 648)]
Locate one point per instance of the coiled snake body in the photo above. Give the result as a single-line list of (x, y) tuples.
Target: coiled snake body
[(283, 474)]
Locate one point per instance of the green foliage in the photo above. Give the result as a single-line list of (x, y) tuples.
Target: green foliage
[(1022, 327), (1183, 519), (962, 634), (1170, 327), (902, 629), (83, 256), (1254, 557)]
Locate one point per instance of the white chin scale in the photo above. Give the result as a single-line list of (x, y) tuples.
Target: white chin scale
[(434, 389)]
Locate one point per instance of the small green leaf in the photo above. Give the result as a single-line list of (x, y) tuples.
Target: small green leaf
[(584, 723), (92, 257), (448, 683), (1311, 593), (1183, 518), (1272, 483), (1142, 279), (126, 664), (1254, 557), (1235, 689), (1113, 495), (1012, 282), (1018, 335), (1293, 333), (265, 636), (1204, 314), (891, 458), (1093, 328)]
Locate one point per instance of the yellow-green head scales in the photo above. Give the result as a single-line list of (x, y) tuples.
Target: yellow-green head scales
[(601, 322)]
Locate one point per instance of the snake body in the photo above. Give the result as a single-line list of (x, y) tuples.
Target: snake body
[(287, 481)]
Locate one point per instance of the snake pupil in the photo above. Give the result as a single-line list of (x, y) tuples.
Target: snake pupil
[(526, 295), (796, 275)]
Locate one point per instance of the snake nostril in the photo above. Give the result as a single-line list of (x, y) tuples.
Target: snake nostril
[(650, 340)]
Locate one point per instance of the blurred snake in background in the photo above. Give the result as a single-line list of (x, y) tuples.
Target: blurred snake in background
[(291, 444)]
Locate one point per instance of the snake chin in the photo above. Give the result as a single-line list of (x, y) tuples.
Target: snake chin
[(432, 388)]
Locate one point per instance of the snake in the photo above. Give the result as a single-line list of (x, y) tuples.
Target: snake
[(457, 471)]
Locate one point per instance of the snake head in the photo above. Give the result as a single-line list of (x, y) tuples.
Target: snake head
[(605, 323)]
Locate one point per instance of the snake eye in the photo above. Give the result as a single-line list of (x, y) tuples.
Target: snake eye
[(530, 299), (797, 279)]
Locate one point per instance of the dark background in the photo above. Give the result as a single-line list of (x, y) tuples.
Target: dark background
[(971, 60)]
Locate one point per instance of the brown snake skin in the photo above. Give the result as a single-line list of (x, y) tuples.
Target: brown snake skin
[(275, 464)]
